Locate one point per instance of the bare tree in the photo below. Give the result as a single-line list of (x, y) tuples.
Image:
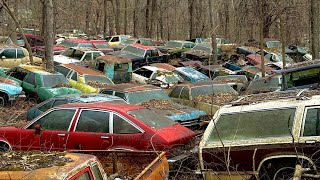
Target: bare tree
[(49, 35), (314, 28)]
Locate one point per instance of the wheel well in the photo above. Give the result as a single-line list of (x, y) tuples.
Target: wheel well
[(288, 159), (3, 97), (4, 146)]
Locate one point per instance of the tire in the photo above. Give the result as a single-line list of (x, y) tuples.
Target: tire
[(4, 147), (277, 170)]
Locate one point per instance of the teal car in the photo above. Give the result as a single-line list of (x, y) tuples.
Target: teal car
[(38, 83)]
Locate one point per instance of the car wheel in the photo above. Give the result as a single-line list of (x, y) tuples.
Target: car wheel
[(4, 147), (275, 170)]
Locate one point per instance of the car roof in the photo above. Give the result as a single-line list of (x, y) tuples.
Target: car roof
[(85, 49), (113, 59), (153, 68), (130, 87), (103, 105), (163, 66), (179, 41), (82, 70), (3, 45), (93, 97), (35, 69), (142, 46), (201, 83)]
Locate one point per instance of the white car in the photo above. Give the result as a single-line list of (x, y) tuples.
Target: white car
[(156, 76), (76, 55)]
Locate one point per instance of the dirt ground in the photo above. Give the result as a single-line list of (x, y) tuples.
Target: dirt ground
[(14, 114)]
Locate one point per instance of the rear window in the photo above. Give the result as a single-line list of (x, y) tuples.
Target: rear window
[(253, 125), (151, 118)]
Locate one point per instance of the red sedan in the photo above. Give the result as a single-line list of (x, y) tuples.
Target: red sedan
[(96, 126)]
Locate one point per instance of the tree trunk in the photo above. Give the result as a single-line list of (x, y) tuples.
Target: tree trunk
[(125, 18), (117, 15), (152, 19), (135, 18), (105, 17), (210, 14), (147, 16), (12, 24), (191, 22), (88, 16), (283, 42), (314, 29), (49, 36), (261, 24)]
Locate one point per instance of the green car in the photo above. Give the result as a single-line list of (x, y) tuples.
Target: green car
[(175, 48), (38, 83)]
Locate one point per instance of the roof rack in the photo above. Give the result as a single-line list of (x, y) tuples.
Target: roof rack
[(303, 94)]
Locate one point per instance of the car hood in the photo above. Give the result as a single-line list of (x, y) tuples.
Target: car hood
[(64, 59), (62, 91), (176, 134), (125, 55), (11, 89)]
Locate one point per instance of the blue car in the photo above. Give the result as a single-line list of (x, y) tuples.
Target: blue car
[(191, 75), (9, 90), (71, 98)]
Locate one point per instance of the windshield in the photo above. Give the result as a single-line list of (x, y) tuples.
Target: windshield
[(265, 84), (100, 79), (102, 45), (133, 50), (203, 47), (69, 44), (53, 80), (273, 44), (143, 96), (127, 42), (151, 118), (209, 89), (278, 58), (174, 44)]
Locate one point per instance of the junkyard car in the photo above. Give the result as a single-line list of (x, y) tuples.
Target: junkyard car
[(156, 76), (102, 46), (200, 52), (142, 41), (191, 75), (118, 69), (38, 83), (237, 82), (12, 55), (264, 138), (76, 55), (246, 50), (84, 79), (156, 99), (117, 39), (96, 126), (38, 109), (9, 90), (298, 76), (206, 96), (139, 55), (175, 48)]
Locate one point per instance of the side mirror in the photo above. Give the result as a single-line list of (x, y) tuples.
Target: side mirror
[(37, 128)]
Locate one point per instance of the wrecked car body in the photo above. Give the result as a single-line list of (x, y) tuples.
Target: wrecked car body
[(174, 48), (76, 55), (9, 90), (237, 82), (191, 75), (200, 52), (156, 99), (84, 79)]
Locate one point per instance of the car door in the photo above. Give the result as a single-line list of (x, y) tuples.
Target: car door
[(152, 56), (126, 134), (91, 131), (8, 58), (55, 126), (29, 83)]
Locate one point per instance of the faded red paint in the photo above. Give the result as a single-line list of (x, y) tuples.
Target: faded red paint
[(82, 70)]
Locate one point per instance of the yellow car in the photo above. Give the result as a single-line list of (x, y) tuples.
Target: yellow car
[(116, 40), (84, 79), (13, 55)]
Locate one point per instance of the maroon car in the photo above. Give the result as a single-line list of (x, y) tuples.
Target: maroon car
[(101, 45), (96, 126)]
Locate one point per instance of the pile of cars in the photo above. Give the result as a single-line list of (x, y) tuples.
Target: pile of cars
[(127, 94)]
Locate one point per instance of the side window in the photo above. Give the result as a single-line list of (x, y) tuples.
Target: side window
[(87, 57), (84, 176), (148, 53), (62, 70), (30, 78), (93, 121), (95, 55), (106, 92), (312, 123), (154, 53), (74, 76), (96, 172), (121, 126), (46, 106), (115, 39), (120, 94), (176, 92), (18, 73), (186, 46), (185, 93), (8, 54), (20, 53), (55, 120)]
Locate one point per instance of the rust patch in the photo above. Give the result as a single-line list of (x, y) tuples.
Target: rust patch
[(82, 70), (113, 59)]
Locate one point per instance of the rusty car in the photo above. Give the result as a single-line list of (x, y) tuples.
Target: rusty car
[(157, 100), (206, 96), (37, 83), (116, 39), (174, 48), (191, 75), (200, 52), (84, 79), (265, 135), (237, 82), (101, 45), (76, 55), (156, 76)]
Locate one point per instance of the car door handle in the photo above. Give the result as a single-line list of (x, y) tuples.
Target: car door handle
[(104, 137), (62, 135)]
